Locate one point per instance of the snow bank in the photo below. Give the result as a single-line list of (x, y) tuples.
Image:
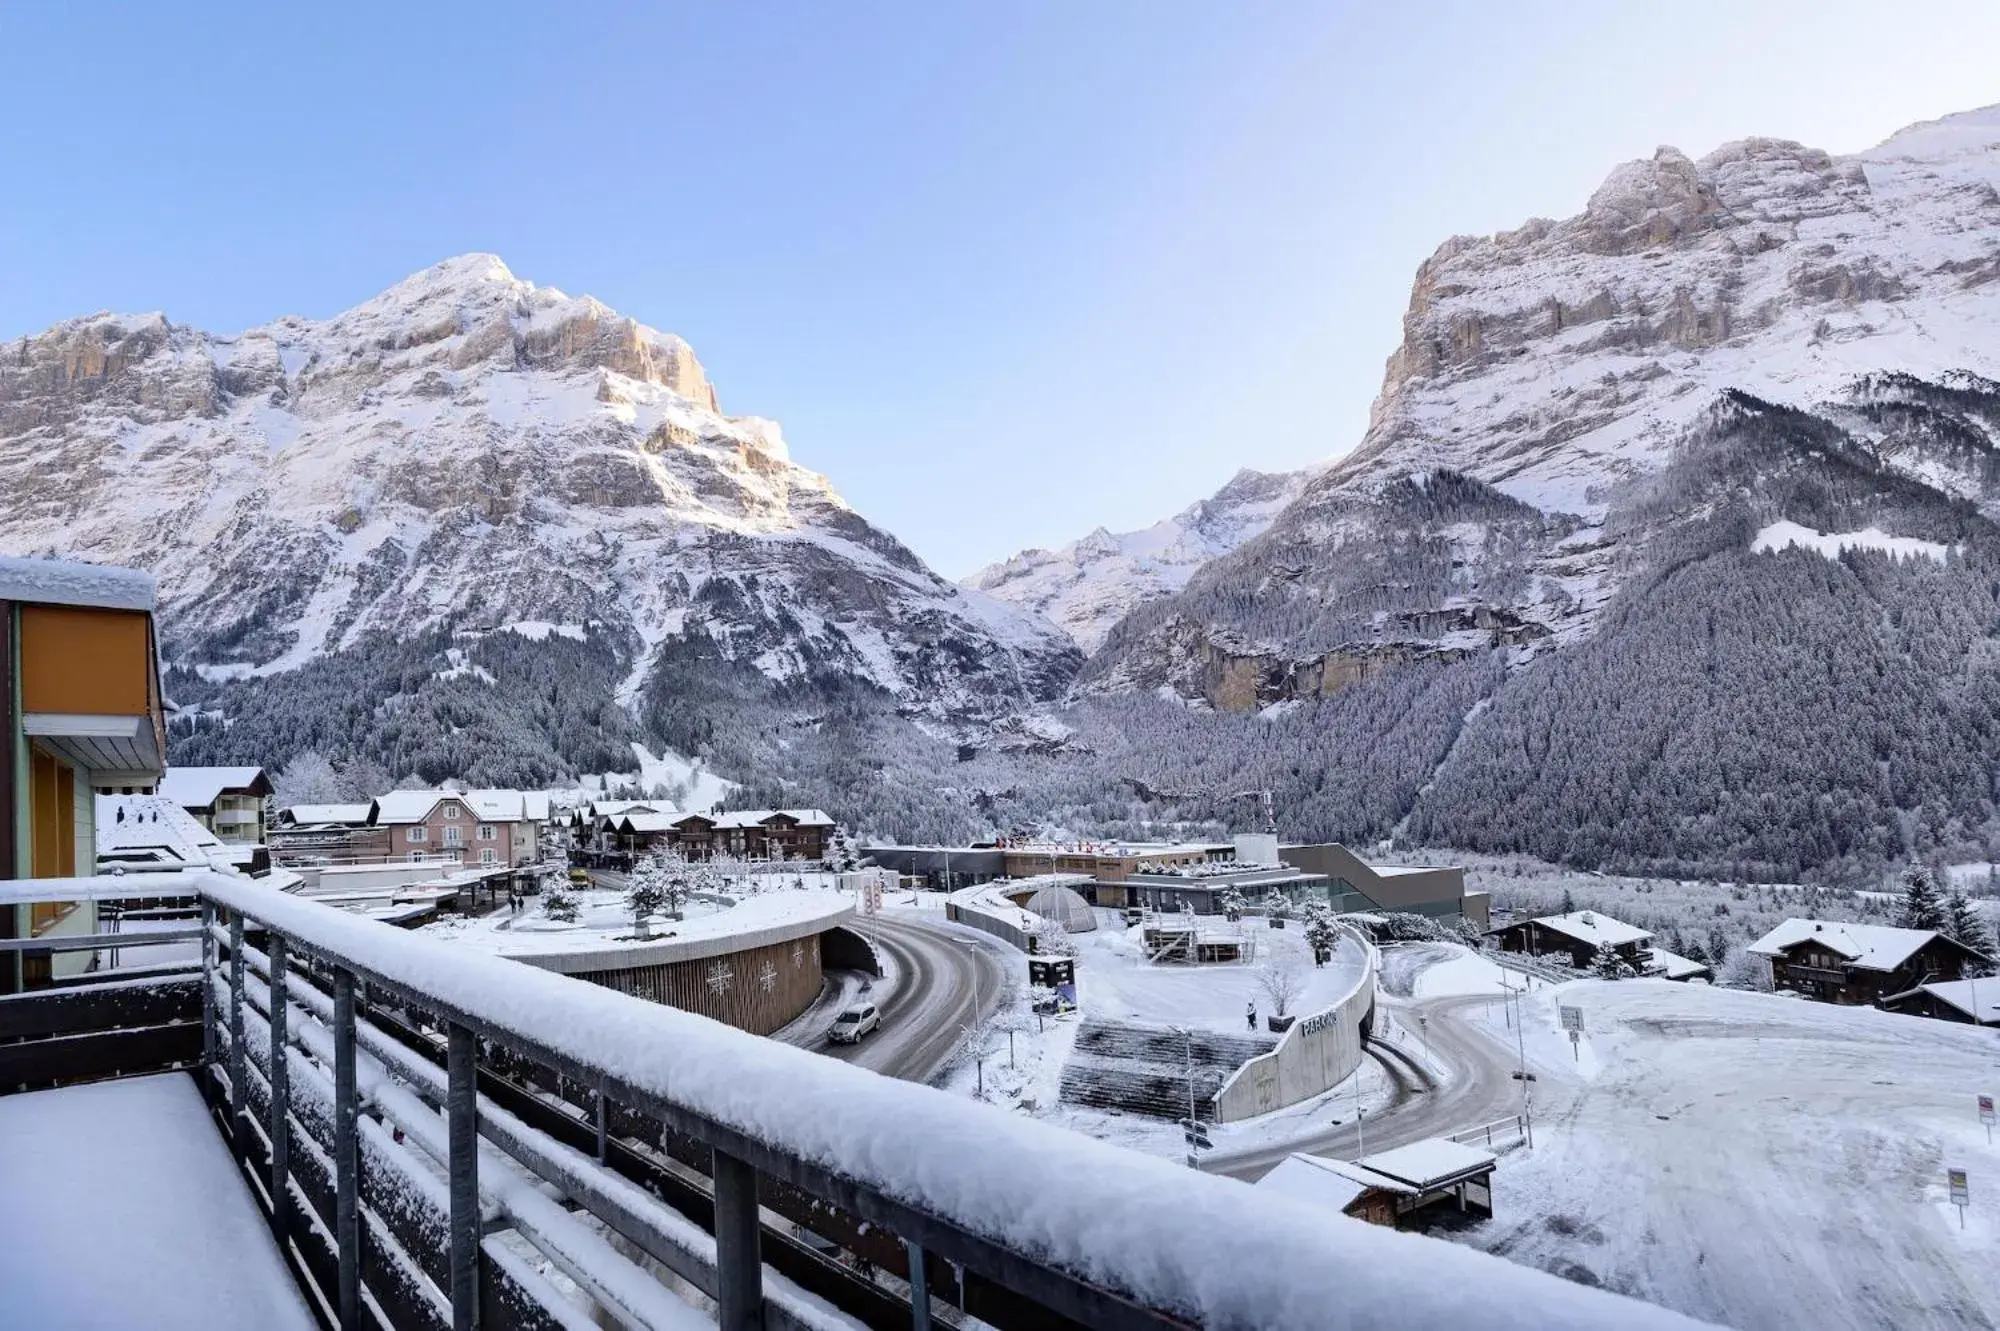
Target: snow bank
[(1782, 535), (1106, 1214)]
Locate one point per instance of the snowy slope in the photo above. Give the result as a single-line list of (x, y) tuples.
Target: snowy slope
[(473, 451), (1092, 583)]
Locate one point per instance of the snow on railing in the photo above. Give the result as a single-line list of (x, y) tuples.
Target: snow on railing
[(1098, 1233)]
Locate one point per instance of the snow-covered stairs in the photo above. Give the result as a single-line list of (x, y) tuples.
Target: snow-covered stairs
[(1144, 1069)]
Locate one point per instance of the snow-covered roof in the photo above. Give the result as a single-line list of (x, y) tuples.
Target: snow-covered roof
[(611, 808), (58, 582), (645, 822), (1873, 947), (312, 815), (492, 806), (200, 787), (1587, 926), (1310, 1179), (1430, 1163), (1976, 999), (1674, 966), (153, 828)]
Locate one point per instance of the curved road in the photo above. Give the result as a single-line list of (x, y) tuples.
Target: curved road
[(1477, 1088), (924, 1002)]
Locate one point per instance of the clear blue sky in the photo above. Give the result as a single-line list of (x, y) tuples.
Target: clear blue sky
[(1005, 271)]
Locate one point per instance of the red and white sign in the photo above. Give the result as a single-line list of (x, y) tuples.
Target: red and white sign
[(1986, 1110)]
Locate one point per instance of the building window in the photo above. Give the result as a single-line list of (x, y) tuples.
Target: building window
[(486, 831), (451, 836), (451, 811), (417, 834), (416, 857), (486, 855)]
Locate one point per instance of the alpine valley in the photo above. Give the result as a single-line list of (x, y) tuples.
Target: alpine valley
[(1671, 548)]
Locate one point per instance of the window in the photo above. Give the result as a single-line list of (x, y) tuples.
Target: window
[(416, 857), (486, 855), (416, 834), (451, 836), (451, 811), (486, 831), (454, 857)]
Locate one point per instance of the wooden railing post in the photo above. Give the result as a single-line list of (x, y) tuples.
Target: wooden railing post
[(739, 1260), (603, 1127), (237, 1060), (462, 1122), (346, 1152), (281, 1127)]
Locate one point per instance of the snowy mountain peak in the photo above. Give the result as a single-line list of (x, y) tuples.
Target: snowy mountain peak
[(467, 451), (1090, 584)]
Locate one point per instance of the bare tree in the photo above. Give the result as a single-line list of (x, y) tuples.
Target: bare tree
[(1281, 983)]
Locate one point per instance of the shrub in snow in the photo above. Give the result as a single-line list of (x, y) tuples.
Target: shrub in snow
[(1923, 903), (1322, 935), (1277, 905), (1608, 965), (1230, 902), (1052, 940)]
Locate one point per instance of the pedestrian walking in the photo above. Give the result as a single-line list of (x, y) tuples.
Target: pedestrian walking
[(1250, 1015)]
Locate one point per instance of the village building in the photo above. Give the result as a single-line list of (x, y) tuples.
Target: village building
[(1972, 1001), (747, 834), (326, 834), (1836, 962), (486, 829), (1574, 939), (231, 802), (1355, 886), (1410, 1187), (80, 714)]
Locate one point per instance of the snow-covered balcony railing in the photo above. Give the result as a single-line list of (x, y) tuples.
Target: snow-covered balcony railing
[(445, 1138)]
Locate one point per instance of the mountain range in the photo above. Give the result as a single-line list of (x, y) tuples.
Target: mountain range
[(1670, 547)]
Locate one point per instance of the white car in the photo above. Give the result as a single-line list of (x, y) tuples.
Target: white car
[(855, 1022)]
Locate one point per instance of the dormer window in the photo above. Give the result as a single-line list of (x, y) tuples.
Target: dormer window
[(451, 811)]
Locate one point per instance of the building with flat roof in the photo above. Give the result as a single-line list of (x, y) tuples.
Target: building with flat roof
[(1416, 889)]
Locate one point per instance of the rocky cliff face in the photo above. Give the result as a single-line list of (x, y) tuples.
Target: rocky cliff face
[(465, 454), (1562, 368), (1090, 584)]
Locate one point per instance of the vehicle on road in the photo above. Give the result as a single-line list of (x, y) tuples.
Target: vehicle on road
[(581, 877), (855, 1022)]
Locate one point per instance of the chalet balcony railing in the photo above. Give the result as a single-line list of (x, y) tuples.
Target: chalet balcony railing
[(430, 1131)]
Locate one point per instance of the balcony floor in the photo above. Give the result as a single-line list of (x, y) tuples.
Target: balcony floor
[(120, 1207)]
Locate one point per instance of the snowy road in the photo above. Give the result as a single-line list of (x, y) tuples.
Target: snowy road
[(925, 999), (1467, 1082)]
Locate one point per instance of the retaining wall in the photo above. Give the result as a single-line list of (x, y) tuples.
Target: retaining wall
[(1314, 1056), (984, 908)]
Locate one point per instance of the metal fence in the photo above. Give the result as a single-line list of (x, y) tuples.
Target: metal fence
[(428, 1130)]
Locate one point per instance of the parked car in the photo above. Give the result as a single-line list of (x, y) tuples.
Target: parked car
[(581, 877), (855, 1022)]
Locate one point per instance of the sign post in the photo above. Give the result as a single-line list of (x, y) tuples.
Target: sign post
[(1572, 1021), (1961, 1193), (1986, 1116)]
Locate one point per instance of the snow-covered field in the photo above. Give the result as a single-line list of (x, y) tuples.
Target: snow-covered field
[(1758, 1161)]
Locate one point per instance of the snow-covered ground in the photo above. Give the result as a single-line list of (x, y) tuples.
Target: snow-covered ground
[(1115, 981), (603, 920), (123, 1209), (1755, 1160)]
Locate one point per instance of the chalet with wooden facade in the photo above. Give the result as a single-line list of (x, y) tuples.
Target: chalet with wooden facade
[(1973, 1002), (1573, 939), (228, 801), (1836, 962), (80, 714), (749, 834)]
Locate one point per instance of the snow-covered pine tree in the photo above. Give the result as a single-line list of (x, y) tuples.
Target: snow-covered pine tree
[(646, 892), (1609, 965), (1923, 903), (558, 901), (1322, 935), (1962, 923)]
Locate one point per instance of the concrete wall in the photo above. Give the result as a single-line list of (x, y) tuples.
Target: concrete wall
[(1431, 891), (1315, 1055)]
